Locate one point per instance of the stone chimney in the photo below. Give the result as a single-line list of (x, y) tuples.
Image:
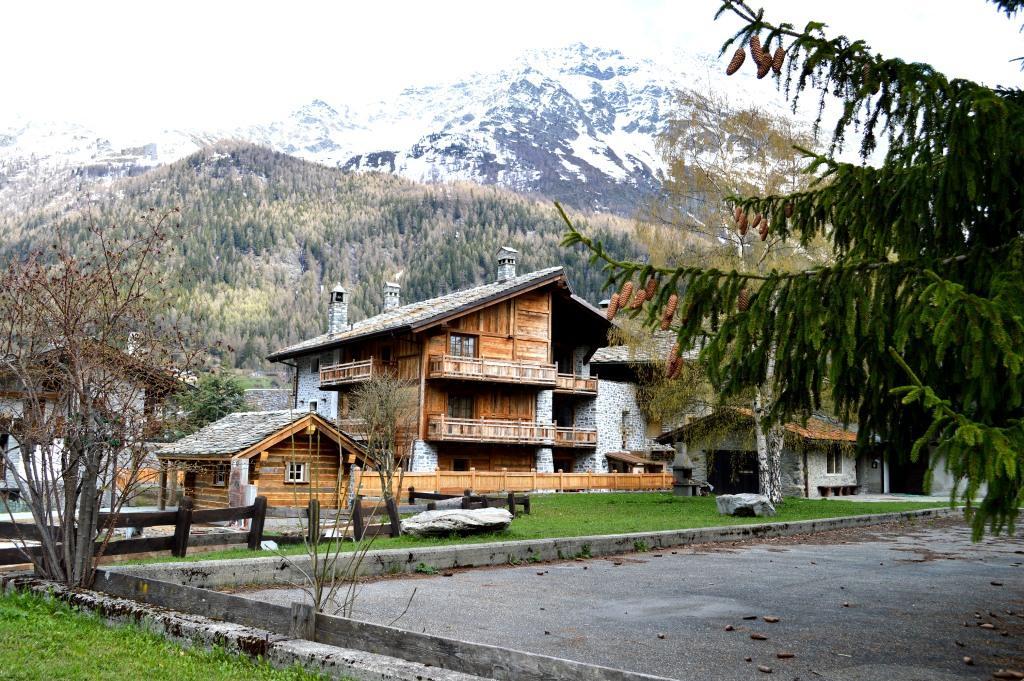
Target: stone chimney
[(392, 295), (337, 310), (507, 263)]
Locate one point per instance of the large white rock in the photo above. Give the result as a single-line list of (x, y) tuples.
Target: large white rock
[(458, 521), (744, 505)]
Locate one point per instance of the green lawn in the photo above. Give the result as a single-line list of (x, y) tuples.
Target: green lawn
[(573, 515), (42, 638)]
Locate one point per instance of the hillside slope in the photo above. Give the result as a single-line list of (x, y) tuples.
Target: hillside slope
[(264, 234)]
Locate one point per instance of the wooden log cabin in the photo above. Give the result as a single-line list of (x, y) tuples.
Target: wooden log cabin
[(287, 456), (501, 370)]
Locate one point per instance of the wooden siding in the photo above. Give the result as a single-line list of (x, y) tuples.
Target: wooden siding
[(324, 479), (205, 493), (484, 457)]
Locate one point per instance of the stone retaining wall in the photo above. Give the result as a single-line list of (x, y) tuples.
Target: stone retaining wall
[(287, 571)]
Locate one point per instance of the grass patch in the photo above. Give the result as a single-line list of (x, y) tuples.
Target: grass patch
[(575, 515), (43, 638)]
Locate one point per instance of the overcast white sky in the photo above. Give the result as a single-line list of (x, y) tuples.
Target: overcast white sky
[(202, 63)]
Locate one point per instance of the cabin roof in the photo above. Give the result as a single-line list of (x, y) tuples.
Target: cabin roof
[(651, 351), (816, 428), (236, 434), (424, 313)]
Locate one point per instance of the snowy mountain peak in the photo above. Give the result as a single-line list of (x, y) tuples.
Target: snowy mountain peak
[(575, 123)]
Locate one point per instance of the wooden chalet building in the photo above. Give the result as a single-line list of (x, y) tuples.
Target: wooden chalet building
[(502, 370), (287, 456)]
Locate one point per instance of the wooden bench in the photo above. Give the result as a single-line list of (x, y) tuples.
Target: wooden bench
[(837, 490)]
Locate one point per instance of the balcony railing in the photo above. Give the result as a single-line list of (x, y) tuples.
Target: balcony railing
[(488, 430), (353, 372), (576, 385), (354, 428), (575, 437), (483, 369)]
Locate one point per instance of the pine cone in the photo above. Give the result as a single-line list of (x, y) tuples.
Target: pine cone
[(780, 56), (638, 300), (736, 62), (651, 288), (613, 306), (737, 212), (763, 232), (763, 69), (669, 311), (743, 303), (626, 293), (755, 50), (789, 210), (743, 223), (674, 366), (757, 221)]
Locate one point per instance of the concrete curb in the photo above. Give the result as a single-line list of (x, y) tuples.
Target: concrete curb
[(279, 651), (215, 574)]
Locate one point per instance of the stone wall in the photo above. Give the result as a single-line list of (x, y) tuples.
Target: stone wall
[(817, 469), (309, 387), (424, 457), (620, 424)]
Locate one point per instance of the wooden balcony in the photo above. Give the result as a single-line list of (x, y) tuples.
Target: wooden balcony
[(571, 384), (354, 428), (575, 437), (334, 375), (445, 428), (483, 369)]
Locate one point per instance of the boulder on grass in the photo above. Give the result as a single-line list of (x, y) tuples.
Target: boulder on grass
[(456, 521), (744, 505)]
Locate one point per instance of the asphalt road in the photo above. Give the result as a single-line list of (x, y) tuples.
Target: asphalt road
[(856, 605)]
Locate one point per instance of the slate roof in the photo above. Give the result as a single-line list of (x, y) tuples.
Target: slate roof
[(231, 434), (268, 399), (419, 313), (817, 428), (654, 351)]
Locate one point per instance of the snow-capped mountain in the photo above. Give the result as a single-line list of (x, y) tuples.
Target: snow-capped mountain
[(576, 124)]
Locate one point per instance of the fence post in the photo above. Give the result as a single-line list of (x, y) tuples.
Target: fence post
[(357, 518), (182, 526), (313, 529), (512, 503), (396, 522), (526, 505), (259, 517), (412, 494), (465, 500), (303, 622), (437, 481)]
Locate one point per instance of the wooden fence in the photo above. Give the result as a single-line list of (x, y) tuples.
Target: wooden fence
[(178, 543), (486, 482)]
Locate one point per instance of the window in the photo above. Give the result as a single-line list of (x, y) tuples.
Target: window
[(460, 407), (834, 462), (460, 465), (385, 355), (296, 471), (312, 406), (220, 476), (462, 346), (314, 365)]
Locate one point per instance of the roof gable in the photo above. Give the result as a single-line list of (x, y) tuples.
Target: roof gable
[(426, 313), (243, 434)]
